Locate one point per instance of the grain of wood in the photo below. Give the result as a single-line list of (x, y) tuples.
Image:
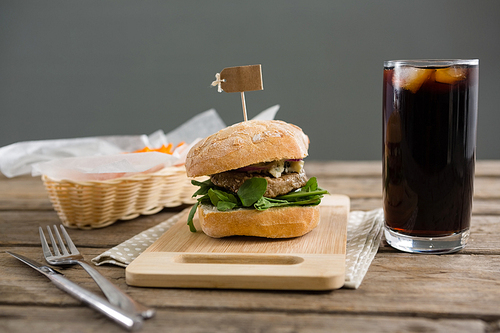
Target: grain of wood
[(400, 293), (439, 286), (35, 319)]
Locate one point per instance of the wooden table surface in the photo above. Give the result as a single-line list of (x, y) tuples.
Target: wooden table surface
[(400, 293)]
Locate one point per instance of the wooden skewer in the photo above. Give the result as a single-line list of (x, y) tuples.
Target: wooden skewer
[(243, 104)]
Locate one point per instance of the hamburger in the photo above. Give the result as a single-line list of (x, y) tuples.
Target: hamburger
[(257, 185)]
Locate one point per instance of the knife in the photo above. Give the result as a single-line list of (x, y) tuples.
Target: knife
[(127, 320)]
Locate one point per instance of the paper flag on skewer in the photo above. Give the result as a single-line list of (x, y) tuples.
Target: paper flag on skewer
[(240, 79)]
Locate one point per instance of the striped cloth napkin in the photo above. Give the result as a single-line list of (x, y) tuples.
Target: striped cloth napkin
[(364, 233)]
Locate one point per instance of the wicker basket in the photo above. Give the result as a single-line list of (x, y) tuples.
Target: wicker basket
[(96, 204)]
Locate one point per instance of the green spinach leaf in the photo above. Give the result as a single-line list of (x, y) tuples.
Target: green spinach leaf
[(222, 200), (191, 216), (252, 190)]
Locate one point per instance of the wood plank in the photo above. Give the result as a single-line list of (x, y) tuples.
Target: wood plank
[(24, 192), (486, 206), (21, 228), (479, 207), (486, 188), (354, 188), (450, 286), (488, 168), (460, 284), (36, 319), (343, 168)]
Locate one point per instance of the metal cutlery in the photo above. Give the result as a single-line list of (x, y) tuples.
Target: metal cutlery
[(130, 321), (113, 293)]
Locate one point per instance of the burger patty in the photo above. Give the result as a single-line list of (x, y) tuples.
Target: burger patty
[(232, 180)]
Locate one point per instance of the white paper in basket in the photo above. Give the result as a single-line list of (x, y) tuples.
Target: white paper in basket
[(103, 168)]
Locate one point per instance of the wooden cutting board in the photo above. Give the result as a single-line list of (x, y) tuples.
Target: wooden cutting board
[(182, 259)]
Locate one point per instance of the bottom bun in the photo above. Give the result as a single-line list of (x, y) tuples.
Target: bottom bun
[(278, 222)]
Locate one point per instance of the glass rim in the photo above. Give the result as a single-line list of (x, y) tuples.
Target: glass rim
[(431, 62)]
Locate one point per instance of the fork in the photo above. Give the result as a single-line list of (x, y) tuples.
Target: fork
[(73, 257)]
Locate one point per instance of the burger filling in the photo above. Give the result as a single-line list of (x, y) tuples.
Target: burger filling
[(275, 168), (282, 177), (259, 186)]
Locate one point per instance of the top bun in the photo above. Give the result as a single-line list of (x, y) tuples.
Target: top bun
[(246, 143)]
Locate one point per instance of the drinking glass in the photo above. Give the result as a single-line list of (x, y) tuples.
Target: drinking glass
[(429, 153)]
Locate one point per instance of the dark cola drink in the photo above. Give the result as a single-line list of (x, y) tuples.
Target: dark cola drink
[(429, 150)]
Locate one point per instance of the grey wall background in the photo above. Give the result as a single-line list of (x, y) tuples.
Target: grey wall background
[(86, 68)]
